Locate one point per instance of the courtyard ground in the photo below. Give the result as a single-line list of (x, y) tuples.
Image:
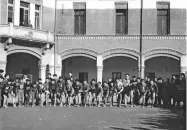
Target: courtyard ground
[(79, 118)]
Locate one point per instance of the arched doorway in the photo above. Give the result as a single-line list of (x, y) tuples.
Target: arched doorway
[(162, 66), (81, 67), (117, 67), (22, 63)]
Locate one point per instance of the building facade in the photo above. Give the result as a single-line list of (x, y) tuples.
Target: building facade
[(94, 38)]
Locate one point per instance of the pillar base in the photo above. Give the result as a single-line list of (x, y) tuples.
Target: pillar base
[(99, 74), (141, 74)]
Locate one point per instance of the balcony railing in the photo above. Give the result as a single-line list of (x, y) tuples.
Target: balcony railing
[(24, 33)]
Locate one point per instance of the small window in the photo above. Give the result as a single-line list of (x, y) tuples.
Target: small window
[(10, 11), (121, 21), (80, 21), (163, 18), (116, 75), (11, 1)]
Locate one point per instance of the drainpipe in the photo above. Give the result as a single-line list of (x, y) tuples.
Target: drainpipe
[(141, 39), (55, 37)]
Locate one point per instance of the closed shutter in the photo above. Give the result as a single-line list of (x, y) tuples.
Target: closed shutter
[(121, 22), (80, 22)]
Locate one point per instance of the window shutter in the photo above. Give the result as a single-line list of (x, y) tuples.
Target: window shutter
[(118, 24), (76, 24)]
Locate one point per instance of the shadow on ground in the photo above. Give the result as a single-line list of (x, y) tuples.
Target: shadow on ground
[(172, 119)]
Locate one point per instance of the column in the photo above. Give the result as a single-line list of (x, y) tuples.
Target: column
[(16, 12), (183, 64), (141, 66), (42, 72), (99, 68), (59, 70), (3, 58), (32, 14)]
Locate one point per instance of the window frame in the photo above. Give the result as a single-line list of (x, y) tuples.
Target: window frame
[(124, 13), (40, 13), (25, 8), (84, 19), (116, 75), (168, 17), (13, 6)]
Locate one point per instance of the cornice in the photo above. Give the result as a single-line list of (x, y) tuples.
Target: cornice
[(144, 37)]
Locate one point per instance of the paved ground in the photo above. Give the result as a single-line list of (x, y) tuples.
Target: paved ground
[(94, 118)]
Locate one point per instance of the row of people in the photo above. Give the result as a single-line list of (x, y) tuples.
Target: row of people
[(61, 91)]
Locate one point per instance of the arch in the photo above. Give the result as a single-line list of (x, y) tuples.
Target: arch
[(167, 52), (31, 51), (79, 52), (120, 52)]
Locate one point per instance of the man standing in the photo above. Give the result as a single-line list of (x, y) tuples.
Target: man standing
[(27, 88), (126, 85), (119, 87), (154, 90), (1, 85)]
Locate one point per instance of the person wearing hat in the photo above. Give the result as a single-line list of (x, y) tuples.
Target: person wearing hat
[(27, 90), (1, 84)]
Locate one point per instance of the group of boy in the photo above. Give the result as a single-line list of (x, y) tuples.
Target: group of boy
[(65, 92)]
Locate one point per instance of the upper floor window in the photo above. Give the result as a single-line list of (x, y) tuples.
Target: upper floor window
[(24, 13), (10, 11), (37, 16), (80, 18), (121, 18), (163, 18)]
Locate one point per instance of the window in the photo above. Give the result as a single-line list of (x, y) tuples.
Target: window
[(80, 21), (83, 76), (37, 16), (24, 12), (116, 75), (163, 19), (121, 21), (10, 11)]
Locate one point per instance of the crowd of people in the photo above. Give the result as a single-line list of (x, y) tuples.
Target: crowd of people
[(58, 91)]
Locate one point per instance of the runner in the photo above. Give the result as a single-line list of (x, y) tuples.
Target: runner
[(112, 93), (77, 92), (98, 93), (27, 89)]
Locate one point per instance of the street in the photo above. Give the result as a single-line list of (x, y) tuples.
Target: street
[(93, 118)]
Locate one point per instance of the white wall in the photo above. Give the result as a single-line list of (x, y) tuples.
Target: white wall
[(162, 66), (80, 64), (119, 64)]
